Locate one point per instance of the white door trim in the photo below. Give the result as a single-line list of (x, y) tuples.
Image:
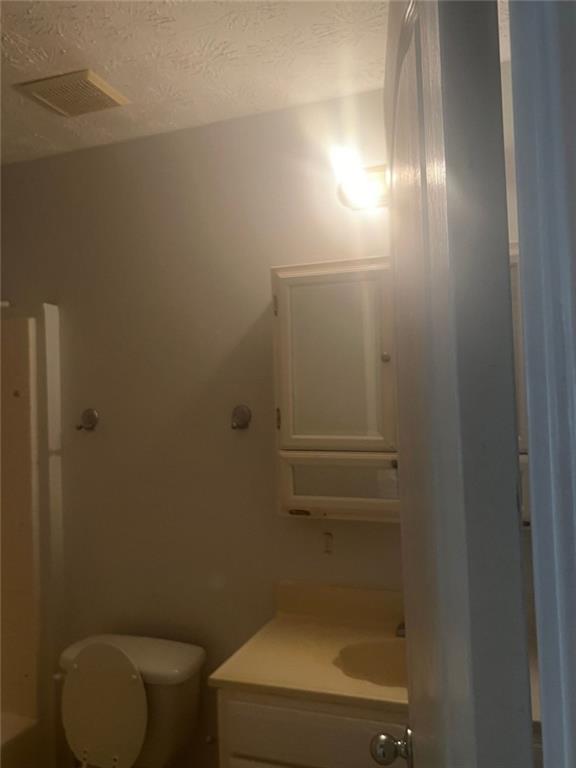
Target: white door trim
[(544, 94)]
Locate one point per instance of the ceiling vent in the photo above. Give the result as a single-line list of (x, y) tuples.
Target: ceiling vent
[(74, 93)]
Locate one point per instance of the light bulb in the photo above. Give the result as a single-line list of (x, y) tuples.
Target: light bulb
[(359, 188)]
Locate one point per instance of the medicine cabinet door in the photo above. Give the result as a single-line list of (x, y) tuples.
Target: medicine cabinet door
[(335, 357)]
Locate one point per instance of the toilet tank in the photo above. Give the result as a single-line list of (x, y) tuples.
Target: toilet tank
[(171, 674)]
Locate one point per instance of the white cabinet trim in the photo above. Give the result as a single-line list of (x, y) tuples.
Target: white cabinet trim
[(294, 505)]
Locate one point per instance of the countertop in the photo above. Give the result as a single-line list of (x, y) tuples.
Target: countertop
[(325, 647), (325, 644)]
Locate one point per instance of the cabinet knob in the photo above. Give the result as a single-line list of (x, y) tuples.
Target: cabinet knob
[(385, 357)]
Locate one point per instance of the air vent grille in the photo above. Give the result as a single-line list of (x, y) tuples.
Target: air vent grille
[(75, 93)]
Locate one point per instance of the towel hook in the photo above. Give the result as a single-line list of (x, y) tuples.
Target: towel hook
[(88, 420), (241, 417)]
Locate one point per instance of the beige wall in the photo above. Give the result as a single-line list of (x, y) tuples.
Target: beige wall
[(19, 578), (158, 253)]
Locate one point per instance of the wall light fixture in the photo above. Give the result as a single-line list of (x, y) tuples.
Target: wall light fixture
[(359, 188)]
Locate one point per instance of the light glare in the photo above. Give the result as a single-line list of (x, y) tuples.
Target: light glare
[(359, 188)]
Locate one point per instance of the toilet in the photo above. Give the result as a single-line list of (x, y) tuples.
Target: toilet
[(129, 702)]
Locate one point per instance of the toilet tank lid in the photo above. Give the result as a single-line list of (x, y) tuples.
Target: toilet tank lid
[(160, 662)]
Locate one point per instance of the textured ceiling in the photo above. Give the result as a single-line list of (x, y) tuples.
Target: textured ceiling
[(181, 63)]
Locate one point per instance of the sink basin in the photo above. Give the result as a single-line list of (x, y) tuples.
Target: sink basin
[(382, 662)]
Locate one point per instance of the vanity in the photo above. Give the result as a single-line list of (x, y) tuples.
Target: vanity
[(317, 683)]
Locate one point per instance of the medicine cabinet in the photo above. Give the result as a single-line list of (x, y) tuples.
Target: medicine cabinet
[(335, 366), (336, 389)]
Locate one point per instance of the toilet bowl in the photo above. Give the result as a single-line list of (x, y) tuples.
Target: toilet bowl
[(129, 702)]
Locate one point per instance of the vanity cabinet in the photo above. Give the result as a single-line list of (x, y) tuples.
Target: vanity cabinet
[(335, 366), (257, 730)]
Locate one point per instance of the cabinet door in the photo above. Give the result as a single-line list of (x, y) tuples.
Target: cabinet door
[(335, 359), (308, 738), (339, 485)]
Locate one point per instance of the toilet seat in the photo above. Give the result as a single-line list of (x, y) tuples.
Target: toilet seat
[(104, 708)]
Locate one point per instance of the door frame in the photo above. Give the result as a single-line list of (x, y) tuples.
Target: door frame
[(543, 62)]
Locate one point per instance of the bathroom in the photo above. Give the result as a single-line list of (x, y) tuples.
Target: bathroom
[(141, 239)]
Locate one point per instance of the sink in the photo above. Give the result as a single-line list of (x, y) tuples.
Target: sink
[(382, 662)]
